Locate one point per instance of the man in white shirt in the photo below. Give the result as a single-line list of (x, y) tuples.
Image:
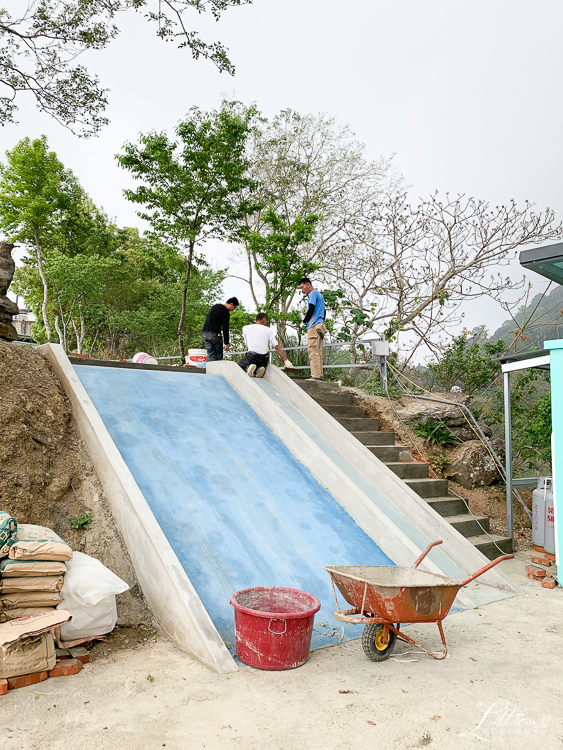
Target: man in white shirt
[(258, 338)]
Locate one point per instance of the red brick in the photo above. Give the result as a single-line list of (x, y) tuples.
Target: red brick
[(65, 668), (541, 561), (62, 653), (550, 556), (534, 577), (549, 582), (26, 679), (81, 654), (3, 687), (537, 548), (536, 572)]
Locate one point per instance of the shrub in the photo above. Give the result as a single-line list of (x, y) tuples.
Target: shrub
[(435, 433)]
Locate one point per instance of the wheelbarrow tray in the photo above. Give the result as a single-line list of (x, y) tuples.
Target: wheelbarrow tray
[(396, 594)]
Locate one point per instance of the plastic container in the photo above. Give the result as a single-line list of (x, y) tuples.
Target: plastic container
[(274, 626), (142, 358), (196, 357)]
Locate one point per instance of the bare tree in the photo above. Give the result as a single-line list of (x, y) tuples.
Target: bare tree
[(310, 165), (409, 268)]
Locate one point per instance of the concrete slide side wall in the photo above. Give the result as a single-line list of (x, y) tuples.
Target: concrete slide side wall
[(165, 584), (393, 515)]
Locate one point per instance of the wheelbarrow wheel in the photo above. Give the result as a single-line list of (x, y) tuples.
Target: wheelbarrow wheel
[(373, 645)]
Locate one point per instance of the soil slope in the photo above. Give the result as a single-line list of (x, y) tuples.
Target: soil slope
[(46, 476)]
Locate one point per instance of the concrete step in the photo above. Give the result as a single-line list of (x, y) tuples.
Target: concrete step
[(469, 525), (408, 469), (373, 438), (447, 506), (428, 487), (335, 399), (360, 424), (489, 545), (387, 453), (356, 412), (318, 386)]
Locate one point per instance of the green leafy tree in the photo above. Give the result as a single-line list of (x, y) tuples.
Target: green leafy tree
[(533, 431), (277, 253), (468, 361), (40, 44), (36, 194), (115, 304), (192, 186)]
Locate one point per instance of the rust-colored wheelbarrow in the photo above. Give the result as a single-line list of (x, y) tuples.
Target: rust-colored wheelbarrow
[(386, 597)]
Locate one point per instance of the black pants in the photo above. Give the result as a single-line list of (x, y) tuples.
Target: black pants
[(214, 345), (252, 358)]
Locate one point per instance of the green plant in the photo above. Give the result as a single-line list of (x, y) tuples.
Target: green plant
[(373, 387), (82, 522), (469, 361), (439, 463), (435, 433), (533, 433)]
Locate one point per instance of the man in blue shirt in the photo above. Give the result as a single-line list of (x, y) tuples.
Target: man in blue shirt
[(316, 329)]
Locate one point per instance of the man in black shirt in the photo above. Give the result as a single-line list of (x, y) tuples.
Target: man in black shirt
[(218, 318)]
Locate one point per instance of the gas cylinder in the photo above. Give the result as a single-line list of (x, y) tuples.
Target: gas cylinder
[(539, 497), (549, 527)]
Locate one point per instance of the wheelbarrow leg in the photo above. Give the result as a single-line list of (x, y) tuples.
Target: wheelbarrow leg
[(406, 638)]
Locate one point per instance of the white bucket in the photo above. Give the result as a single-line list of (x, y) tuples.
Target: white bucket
[(142, 358), (196, 357)]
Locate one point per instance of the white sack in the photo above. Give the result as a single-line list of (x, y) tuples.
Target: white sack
[(89, 595)]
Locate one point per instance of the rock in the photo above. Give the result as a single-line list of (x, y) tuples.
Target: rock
[(58, 488), (472, 465), (7, 308), (466, 433), (418, 410)]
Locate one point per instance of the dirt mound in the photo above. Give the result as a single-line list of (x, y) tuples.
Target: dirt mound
[(46, 476)]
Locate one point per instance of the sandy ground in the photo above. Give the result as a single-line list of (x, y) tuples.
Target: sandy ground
[(502, 685)]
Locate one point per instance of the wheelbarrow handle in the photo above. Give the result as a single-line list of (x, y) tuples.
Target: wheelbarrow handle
[(487, 567), (426, 551)]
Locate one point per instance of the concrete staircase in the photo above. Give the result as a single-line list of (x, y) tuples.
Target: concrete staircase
[(398, 458)]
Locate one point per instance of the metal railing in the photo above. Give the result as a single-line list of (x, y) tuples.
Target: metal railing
[(373, 344)]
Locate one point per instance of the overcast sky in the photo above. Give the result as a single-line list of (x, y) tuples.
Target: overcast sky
[(466, 94)]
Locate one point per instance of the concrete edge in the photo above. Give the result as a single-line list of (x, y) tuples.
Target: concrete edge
[(167, 588), (467, 557)]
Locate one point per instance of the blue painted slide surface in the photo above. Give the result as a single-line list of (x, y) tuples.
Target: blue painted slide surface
[(237, 507)]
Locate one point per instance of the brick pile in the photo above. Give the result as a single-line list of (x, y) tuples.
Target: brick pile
[(69, 662), (548, 581)]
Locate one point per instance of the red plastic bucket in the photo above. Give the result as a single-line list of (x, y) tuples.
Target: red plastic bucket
[(274, 626)]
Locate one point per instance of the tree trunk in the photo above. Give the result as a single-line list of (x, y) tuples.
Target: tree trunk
[(184, 298), (59, 332), (94, 342), (45, 287), (79, 336)]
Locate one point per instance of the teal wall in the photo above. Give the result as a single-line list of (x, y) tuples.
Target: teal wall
[(556, 367)]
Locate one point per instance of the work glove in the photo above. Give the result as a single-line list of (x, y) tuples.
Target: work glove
[(301, 325), (288, 364)]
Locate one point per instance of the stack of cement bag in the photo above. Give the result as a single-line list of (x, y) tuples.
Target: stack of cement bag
[(32, 573)]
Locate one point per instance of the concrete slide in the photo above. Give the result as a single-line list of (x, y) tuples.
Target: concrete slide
[(220, 482)]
